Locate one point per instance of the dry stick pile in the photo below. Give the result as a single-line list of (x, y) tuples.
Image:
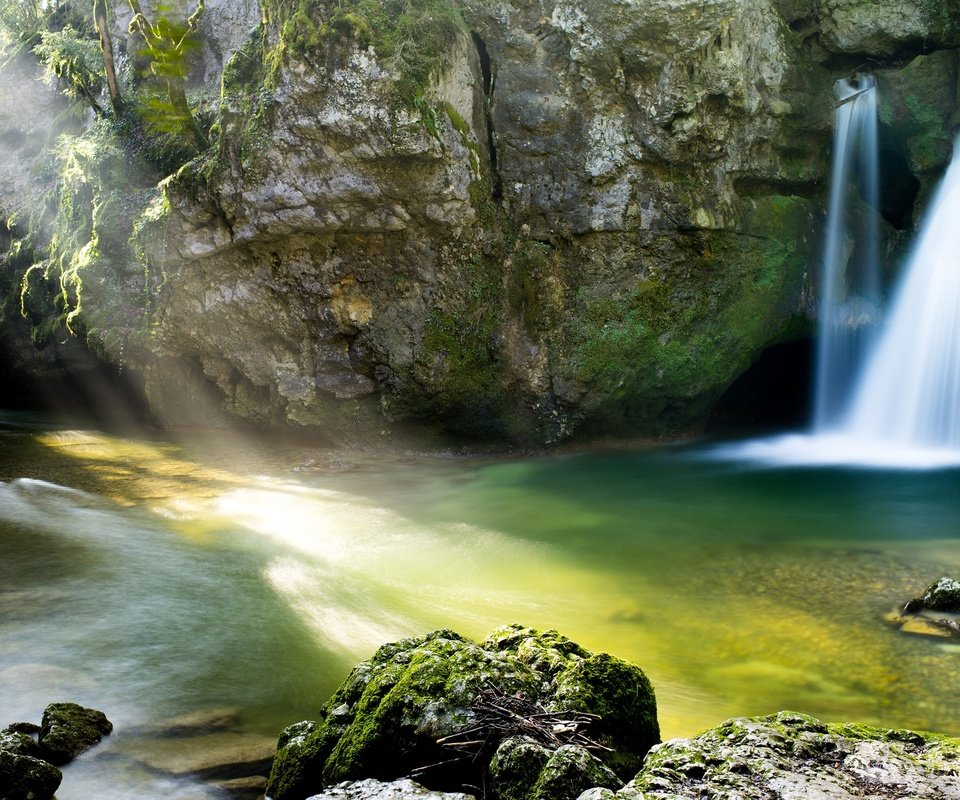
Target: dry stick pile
[(499, 716)]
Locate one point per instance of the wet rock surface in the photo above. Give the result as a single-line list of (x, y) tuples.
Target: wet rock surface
[(25, 778), (935, 613), (30, 753), (387, 717), (795, 756), (68, 729)]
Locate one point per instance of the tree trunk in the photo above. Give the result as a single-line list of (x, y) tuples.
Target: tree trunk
[(106, 44)]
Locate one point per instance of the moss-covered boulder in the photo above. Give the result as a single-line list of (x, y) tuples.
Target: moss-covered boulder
[(26, 778), (68, 729), (387, 717), (797, 756)]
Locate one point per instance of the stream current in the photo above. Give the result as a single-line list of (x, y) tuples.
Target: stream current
[(151, 580)]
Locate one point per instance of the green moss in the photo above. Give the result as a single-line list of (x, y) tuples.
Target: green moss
[(413, 37), (570, 771), (657, 354), (385, 719), (530, 262), (516, 767), (99, 193), (459, 354)]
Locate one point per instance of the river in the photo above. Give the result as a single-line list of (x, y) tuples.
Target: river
[(151, 579)]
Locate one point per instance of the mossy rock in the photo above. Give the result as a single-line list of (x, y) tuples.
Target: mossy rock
[(27, 778), (68, 729), (22, 744), (795, 755), (522, 769), (385, 719)]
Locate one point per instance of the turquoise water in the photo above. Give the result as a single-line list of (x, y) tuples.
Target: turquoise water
[(150, 579)]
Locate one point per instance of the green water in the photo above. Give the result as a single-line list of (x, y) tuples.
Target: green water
[(149, 579)]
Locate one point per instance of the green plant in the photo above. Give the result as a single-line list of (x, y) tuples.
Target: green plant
[(168, 43), (76, 61)]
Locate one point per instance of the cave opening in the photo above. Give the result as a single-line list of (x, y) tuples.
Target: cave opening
[(774, 392)]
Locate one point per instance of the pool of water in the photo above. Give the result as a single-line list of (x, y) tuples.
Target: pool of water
[(152, 579)]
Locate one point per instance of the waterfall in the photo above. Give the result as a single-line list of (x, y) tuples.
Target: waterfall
[(849, 302), (909, 394), (887, 395)]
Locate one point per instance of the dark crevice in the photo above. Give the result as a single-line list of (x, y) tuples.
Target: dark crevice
[(899, 188), (774, 391), (488, 80)]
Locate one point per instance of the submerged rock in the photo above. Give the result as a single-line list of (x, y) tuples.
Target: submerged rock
[(385, 719), (790, 755), (68, 729), (25, 778), (935, 613)]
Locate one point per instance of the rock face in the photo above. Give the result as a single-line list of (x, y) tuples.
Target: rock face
[(792, 755), (386, 718), (526, 221)]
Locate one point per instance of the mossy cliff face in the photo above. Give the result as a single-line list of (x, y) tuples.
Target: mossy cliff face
[(385, 719), (526, 222)]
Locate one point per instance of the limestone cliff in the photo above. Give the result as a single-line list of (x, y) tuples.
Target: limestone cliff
[(519, 220)]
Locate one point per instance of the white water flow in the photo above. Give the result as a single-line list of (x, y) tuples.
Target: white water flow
[(888, 396), (909, 394), (849, 306)]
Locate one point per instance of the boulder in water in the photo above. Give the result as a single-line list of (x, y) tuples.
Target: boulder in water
[(935, 613), (23, 777), (944, 595), (68, 729), (386, 719)]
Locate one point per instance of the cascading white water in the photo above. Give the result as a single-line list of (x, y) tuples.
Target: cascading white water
[(850, 286), (888, 395), (909, 394)]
